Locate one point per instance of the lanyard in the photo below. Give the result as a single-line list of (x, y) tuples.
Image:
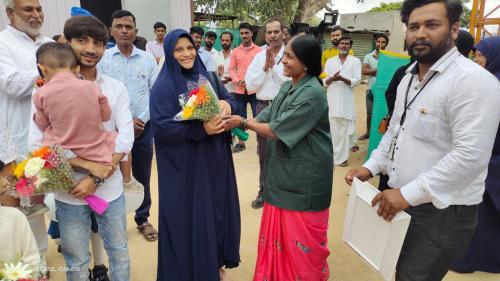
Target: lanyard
[(407, 105)]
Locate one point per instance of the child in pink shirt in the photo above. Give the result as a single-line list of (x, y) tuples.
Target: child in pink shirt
[(70, 111)]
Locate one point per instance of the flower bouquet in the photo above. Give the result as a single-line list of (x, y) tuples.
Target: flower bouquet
[(47, 170), (16, 272), (201, 103)]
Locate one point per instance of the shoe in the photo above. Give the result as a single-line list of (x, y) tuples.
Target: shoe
[(239, 148), (364, 137), (344, 164), (133, 186), (34, 210), (258, 202), (100, 273)]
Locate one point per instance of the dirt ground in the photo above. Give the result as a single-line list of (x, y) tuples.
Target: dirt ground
[(345, 265)]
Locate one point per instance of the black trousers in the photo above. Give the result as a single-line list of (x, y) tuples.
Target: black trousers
[(435, 239)]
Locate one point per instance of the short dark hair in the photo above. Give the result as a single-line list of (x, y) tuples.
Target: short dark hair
[(304, 29), (159, 25), (86, 26), (344, 38), (56, 55), (211, 34), (245, 25), (336, 28), (382, 35), (56, 37), (228, 33), (2, 165), (197, 30), (118, 14), (274, 19), (308, 50), (454, 9)]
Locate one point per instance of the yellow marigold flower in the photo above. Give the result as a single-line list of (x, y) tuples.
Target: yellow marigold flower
[(19, 169)]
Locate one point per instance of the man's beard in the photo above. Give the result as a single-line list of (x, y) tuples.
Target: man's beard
[(344, 52), (25, 26), (435, 52), (335, 42), (226, 47), (209, 45)]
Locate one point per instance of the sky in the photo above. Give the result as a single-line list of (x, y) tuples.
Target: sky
[(351, 6)]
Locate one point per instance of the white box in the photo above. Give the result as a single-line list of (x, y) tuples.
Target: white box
[(377, 241)]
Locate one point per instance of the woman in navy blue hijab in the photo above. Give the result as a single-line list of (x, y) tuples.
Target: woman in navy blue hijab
[(199, 215), (483, 253)]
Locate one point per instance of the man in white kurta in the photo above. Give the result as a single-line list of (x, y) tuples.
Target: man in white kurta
[(344, 73), (18, 72)]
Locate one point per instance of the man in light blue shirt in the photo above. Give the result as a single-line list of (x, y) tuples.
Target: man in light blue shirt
[(137, 70), (206, 57)]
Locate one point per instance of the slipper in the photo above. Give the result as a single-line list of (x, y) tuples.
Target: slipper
[(355, 148), (344, 164), (148, 231)]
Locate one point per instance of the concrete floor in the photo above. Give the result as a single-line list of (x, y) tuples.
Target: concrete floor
[(345, 265)]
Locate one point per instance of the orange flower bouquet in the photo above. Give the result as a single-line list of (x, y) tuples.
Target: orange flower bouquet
[(200, 103)]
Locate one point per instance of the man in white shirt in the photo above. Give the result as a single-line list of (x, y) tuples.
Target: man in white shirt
[(17, 242), (156, 47), (18, 72), (344, 73), (264, 76), (197, 33), (222, 60), (369, 68), (88, 36), (438, 145)]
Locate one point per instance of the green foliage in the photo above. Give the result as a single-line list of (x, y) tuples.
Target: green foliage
[(384, 7), (253, 12)]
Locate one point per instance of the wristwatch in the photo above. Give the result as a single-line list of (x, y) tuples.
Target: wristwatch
[(97, 180)]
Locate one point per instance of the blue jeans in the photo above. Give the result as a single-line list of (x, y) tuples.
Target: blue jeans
[(74, 224), (241, 102)]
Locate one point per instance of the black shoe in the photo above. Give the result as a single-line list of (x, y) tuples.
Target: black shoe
[(258, 202), (100, 273), (59, 249), (239, 148)]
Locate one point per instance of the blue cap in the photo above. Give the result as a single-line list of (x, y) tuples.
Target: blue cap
[(77, 11)]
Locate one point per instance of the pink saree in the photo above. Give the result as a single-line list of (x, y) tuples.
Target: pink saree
[(292, 245)]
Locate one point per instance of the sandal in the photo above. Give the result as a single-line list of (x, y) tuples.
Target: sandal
[(355, 148), (148, 231)]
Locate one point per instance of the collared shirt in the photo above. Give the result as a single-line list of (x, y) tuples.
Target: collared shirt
[(332, 52), (155, 48), (340, 95), (240, 60), (18, 73), (443, 148), (121, 122), (206, 58), (372, 62), (138, 72), (299, 161), (219, 60), (265, 84)]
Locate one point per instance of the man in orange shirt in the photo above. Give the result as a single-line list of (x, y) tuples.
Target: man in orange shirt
[(241, 58)]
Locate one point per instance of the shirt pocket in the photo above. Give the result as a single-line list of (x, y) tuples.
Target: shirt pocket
[(288, 175), (426, 125)]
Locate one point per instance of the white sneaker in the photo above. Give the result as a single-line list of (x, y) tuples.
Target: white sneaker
[(133, 186)]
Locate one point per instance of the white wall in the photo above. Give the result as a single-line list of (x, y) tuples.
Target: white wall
[(173, 13), (56, 13)]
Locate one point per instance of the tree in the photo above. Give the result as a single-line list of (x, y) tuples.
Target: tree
[(257, 11), (384, 7)]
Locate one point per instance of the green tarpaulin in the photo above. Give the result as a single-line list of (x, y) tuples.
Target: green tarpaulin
[(388, 63)]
